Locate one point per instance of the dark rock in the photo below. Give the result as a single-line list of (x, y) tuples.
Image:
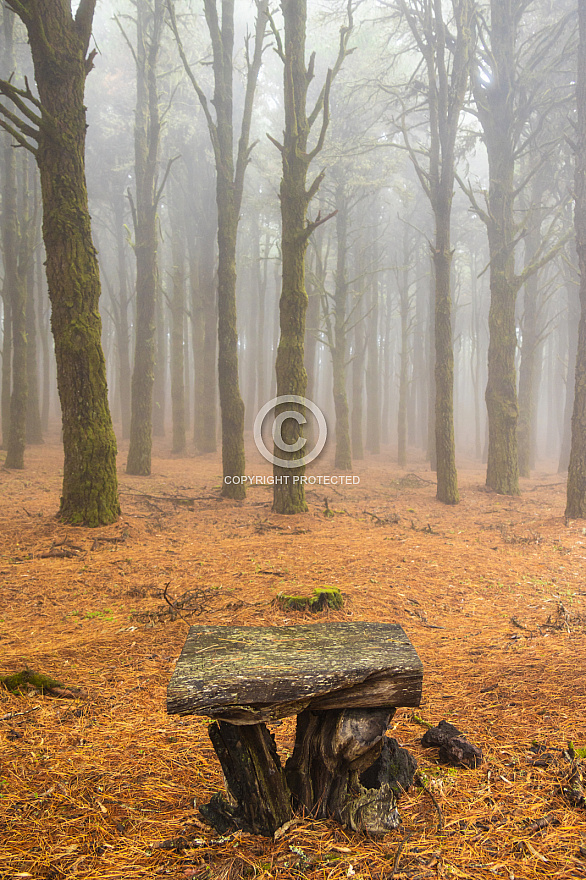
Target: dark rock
[(461, 753), (440, 735), (394, 767)]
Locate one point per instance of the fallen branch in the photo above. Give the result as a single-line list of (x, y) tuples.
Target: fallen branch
[(419, 781), (398, 854), (10, 715)]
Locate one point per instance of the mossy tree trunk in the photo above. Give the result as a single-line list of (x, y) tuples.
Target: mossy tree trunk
[(576, 489), (147, 129), (229, 189), (8, 229), (295, 195), (57, 123)]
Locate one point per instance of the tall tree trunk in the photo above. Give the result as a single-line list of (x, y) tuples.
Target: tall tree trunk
[(206, 437), (121, 312), (572, 322), (358, 377), (387, 358), (373, 408), (34, 428), (229, 188), (343, 457), (161, 366), (147, 128), (289, 493), (496, 108), (262, 279), (576, 489), (59, 45), (178, 322), (447, 477), (404, 357), (528, 378), (14, 237)]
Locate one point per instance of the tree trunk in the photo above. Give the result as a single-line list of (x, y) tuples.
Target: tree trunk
[(177, 323), (343, 457), (206, 437), (289, 493), (121, 313), (572, 323), (373, 409), (147, 129), (358, 375), (59, 45), (496, 108), (34, 429), (14, 235), (576, 490), (447, 477), (159, 395)]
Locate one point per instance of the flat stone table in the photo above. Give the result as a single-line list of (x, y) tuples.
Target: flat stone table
[(342, 680)]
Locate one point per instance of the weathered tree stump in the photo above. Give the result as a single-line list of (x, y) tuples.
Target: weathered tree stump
[(343, 680), (332, 749), (259, 800)]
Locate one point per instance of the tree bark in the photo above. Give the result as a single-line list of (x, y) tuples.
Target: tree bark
[(59, 45), (576, 489)]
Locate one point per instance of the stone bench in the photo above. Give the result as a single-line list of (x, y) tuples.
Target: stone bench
[(342, 680)]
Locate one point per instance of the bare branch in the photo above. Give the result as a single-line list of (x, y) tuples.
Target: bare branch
[(18, 137), (159, 192), (279, 146), (191, 76), (275, 31)]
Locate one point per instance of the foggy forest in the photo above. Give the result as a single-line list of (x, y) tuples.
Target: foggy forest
[(293, 347)]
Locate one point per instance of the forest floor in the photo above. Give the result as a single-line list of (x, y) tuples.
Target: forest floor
[(491, 593)]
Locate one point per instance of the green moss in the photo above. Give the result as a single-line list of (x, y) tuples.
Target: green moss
[(17, 683), (322, 597)]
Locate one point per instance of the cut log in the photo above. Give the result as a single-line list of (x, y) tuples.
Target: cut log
[(248, 674)]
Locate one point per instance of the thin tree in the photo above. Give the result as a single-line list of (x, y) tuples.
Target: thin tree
[(229, 187), (447, 64), (147, 134), (289, 493), (53, 127), (14, 285)]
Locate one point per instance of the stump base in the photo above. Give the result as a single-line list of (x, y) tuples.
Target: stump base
[(322, 777)]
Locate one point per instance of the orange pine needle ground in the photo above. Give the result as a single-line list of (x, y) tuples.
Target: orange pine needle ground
[(492, 594)]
